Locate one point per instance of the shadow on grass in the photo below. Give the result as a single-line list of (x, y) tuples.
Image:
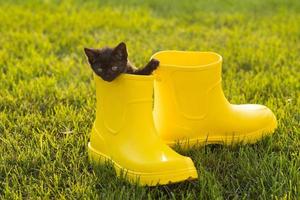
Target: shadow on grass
[(239, 171), (236, 171)]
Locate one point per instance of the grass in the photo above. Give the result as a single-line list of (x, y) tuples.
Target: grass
[(47, 94)]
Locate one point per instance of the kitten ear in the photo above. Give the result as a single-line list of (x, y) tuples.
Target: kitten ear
[(91, 54), (120, 51)]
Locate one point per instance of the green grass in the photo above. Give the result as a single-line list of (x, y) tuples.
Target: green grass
[(47, 94)]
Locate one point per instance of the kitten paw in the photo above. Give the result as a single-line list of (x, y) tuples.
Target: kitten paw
[(154, 64)]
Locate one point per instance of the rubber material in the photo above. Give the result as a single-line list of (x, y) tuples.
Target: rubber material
[(190, 107), (124, 133)]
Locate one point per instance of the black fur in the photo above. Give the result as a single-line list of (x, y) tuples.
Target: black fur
[(109, 63)]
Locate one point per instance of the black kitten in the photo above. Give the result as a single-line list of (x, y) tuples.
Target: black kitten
[(108, 63)]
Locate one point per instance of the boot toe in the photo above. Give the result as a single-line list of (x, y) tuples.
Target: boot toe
[(256, 121), (165, 169), (174, 170), (259, 117)]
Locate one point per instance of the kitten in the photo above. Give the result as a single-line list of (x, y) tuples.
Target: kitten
[(109, 63)]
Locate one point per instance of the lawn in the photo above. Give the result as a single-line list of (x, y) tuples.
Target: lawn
[(47, 93)]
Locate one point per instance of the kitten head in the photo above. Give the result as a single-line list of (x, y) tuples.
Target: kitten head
[(108, 63)]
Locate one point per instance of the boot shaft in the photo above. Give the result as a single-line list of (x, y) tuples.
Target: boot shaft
[(126, 100), (184, 80)]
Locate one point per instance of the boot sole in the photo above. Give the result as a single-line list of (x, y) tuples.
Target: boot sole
[(142, 178), (228, 140)]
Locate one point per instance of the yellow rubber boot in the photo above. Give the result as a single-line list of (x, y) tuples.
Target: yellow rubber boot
[(190, 107), (124, 133)]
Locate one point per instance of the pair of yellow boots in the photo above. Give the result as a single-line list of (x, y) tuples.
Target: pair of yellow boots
[(189, 108)]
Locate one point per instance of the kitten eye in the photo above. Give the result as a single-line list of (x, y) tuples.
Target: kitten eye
[(114, 68), (99, 69)]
